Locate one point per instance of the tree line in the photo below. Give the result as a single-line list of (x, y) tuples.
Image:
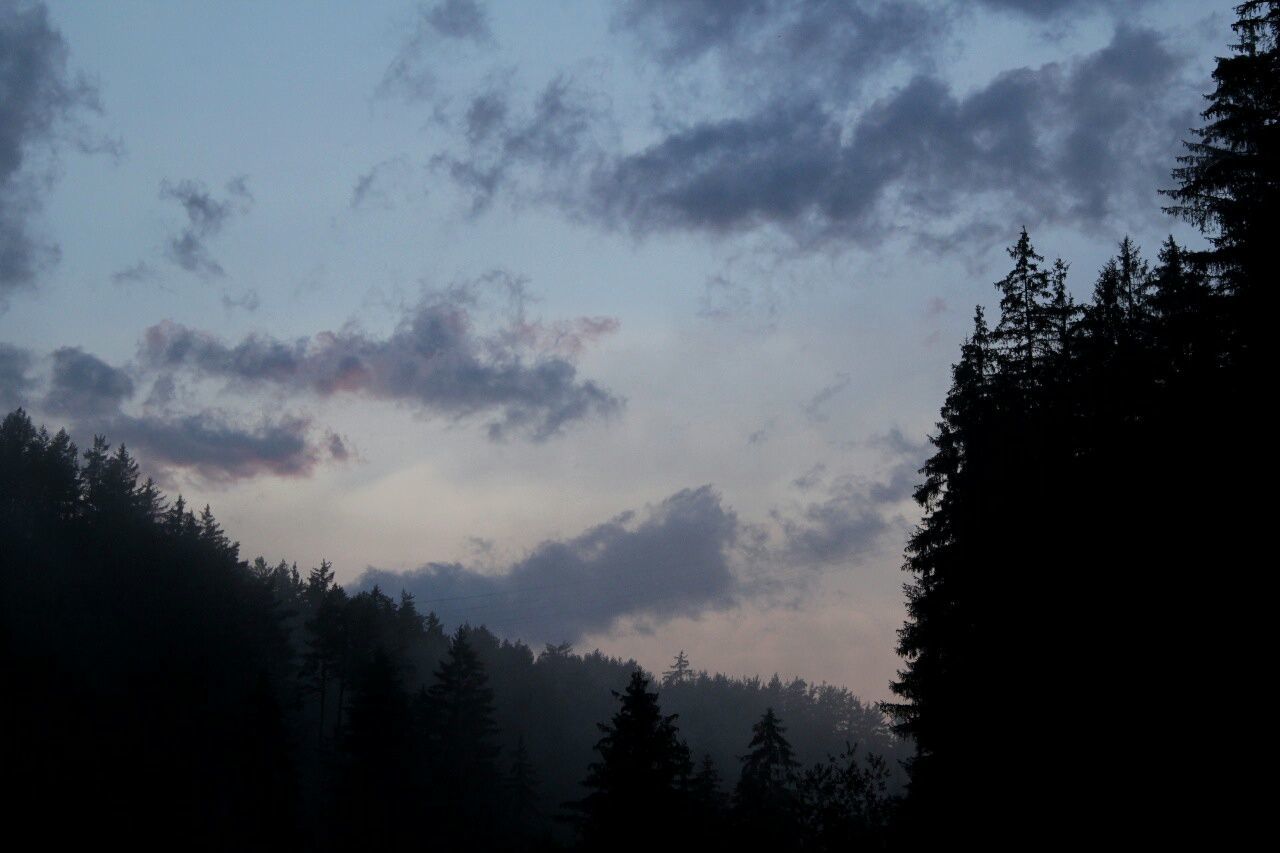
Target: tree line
[(163, 690)]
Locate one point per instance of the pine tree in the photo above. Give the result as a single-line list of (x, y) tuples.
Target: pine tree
[(520, 790), (680, 672), (705, 787), (1229, 179), (768, 770), (461, 742), (1024, 334), (1186, 309), (641, 772), (764, 801), (376, 777)]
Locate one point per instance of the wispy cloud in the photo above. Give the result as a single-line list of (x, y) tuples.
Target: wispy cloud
[(41, 104), (92, 396), (520, 374), (206, 215)]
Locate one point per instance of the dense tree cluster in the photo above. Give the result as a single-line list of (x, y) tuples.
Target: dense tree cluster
[(248, 703), (1085, 541), (645, 790)]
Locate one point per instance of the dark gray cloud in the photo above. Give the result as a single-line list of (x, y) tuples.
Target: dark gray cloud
[(843, 527), (206, 216), (40, 106), (219, 449), (672, 559), (411, 74), (787, 47), (459, 19), (85, 385), (1045, 9), (14, 381), (91, 394), (521, 374), (543, 151), (685, 556), (1075, 142), (855, 516)]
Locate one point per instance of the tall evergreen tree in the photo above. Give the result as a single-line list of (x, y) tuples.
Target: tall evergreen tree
[(376, 784), (1229, 178), (680, 673), (462, 746), (1024, 335), (764, 802), (641, 773)]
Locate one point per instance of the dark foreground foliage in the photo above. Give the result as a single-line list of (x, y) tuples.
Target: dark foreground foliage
[(163, 691), (1093, 536)]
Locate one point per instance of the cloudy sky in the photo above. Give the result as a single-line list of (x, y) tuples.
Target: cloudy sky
[(617, 322)]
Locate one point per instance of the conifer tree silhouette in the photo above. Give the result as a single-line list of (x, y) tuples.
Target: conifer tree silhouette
[(642, 771)]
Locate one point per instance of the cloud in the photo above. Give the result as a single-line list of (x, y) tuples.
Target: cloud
[(247, 301), (687, 555), (206, 217), (855, 516), (521, 374), (671, 559), (85, 385), (1082, 142), (221, 450), (811, 478), (814, 408), (14, 381), (459, 19), (411, 74), (844, 526), (92, 394), (1073, 142), (139, 272), (40, 106), (1044, 9), (785, 47), (563, 136), (377, 186)]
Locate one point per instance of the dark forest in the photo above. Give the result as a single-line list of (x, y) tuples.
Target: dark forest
[(1080, 596)]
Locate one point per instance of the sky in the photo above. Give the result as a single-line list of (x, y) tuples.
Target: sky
[(620, 323)]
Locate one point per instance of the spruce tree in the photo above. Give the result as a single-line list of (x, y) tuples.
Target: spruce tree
[(764, 801), (461, 737), (1229, 178), (1023, 335), (680, 672), (641, 773)]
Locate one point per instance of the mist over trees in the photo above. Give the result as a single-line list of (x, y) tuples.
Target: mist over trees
[(1083, 572), (251, 703)]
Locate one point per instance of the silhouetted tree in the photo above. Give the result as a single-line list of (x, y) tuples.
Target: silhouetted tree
[(764, 801), (376, 789), (462, 749), (642, 771), (845, 803), (680, 672), (1229, 179)]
